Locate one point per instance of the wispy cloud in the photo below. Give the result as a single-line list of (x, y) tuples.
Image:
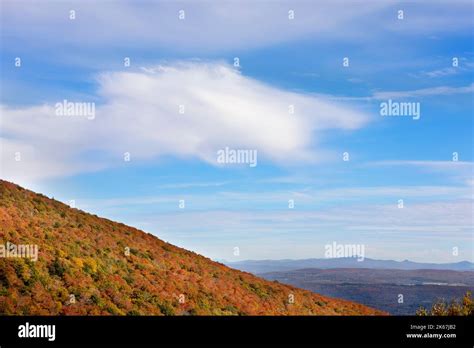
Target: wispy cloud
[(440, 72), (215, 198), (419, 93), (222, 26), (460, 171), (424, 92), (187, 185), (427, 164), (406, 230), (186, 110)]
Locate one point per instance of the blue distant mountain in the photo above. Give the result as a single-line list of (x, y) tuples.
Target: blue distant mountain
[(264, 266)]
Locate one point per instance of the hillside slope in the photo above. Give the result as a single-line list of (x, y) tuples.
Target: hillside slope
[(93, 266)]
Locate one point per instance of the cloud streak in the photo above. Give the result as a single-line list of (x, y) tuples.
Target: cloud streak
[(206, 26), (381, 227), (222, 26), (425, 92)]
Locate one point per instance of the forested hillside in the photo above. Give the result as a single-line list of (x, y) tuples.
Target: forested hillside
[(93, 266)]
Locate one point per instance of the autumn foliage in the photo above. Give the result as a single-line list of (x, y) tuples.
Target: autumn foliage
[(93, 266), (463, 307)]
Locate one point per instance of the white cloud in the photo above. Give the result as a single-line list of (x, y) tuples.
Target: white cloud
[(215, 198), (390, 232), (461, 171), (441, 72), (420, 93), (208, 26), (436, 16), (214, 222), (440, 165), (191, 185), (424, 92), (424, 163), (219, 26), (139, 113)]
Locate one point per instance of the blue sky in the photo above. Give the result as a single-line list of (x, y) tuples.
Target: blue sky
[(283, 62)]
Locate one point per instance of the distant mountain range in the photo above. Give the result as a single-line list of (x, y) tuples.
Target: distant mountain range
[(56, 260), (265, 266)]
